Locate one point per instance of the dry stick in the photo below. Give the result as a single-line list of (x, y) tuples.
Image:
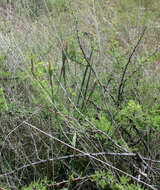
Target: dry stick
[(64, 182), (66, 157), (34, 113), (73, 179), (142, 140), (140, 158), (89, 155), (77, 156), (121, 86)]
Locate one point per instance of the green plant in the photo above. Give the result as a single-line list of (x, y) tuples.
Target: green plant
[(103, 124), (2, 100), (101, 178), (65, 88), (106, 180), (133, 114), (60, 5), (37, 185)]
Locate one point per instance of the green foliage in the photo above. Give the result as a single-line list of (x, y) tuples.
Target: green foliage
[(126, 185), (100, 177), (132, 114), (2, 58), (119, 58), (42, 73), (104, 125), (38, 185), (73, 52), (59, 5), (3, 66), (154, 117), (53, 62), (2, 100), (106, 180)]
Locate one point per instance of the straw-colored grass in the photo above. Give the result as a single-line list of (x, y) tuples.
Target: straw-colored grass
[(79, 94)]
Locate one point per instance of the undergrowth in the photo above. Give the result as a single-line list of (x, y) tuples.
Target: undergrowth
[(79, 95)]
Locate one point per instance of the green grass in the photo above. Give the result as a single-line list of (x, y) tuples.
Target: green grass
[(74, 82)]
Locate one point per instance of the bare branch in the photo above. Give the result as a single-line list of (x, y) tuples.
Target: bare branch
[(121, 86), (90, 156)]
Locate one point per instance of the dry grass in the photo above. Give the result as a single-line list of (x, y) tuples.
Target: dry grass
[(34, 47)]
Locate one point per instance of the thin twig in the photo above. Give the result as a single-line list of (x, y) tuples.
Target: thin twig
[(67, 157), (77, 156), (64, 182), (121, 86), (90, 156)]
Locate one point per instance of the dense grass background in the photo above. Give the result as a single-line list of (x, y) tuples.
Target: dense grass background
[(79, 94)]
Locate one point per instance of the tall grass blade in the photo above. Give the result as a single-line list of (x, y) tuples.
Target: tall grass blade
[(64, 59), (91, 92), (84, 78), (50, 72), (86, 89)]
